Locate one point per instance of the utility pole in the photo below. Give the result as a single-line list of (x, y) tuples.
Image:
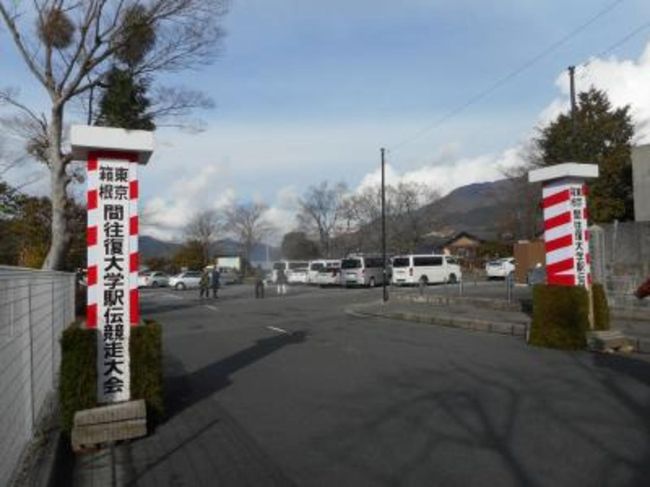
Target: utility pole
[(383, 222), (572, 85)]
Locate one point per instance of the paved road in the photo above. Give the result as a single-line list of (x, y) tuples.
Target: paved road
[(294, 391)]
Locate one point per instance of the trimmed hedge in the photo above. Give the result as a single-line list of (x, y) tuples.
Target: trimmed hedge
[(78, 373), (146, 368), (78, 377), (560, 317), (601, 307)]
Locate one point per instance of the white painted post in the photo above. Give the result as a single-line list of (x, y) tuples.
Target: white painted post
[(112, 157)]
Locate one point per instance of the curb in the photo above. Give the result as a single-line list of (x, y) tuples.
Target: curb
[(513, 329), (641, 346), (493, 303)]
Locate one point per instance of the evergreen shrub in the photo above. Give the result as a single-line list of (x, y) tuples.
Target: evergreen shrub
[(560, 317)]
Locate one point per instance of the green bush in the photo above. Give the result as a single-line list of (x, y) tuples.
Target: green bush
[(78, 377), (146, 367), (560, 317), (601, 308)]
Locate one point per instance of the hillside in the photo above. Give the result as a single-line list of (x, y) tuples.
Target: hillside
[(475, 208)]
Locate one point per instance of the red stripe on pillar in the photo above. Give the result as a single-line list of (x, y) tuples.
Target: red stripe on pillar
[(92, 162), (91, 316), (585, 190), (561, 280), (585, 213), (110, 154), (133, 189), (134, 307), (92, 199), (134, 262), (556, 221), (91, 236), (588, 258), (92, 275), (559, 243), (563, 265), (133, 225), (556, 198)]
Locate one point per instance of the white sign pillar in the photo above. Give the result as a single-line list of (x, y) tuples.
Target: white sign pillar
[(112, 156), (566, 234)]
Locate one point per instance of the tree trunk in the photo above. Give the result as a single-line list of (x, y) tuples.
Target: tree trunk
[(55, 259)]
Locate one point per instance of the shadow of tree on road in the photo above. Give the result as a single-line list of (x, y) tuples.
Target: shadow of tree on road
[(183, 389), (490, 425)]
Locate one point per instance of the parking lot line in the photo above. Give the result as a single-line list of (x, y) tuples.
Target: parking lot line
[(209, 306)]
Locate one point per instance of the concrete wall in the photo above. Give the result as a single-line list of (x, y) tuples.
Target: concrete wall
[(641, 179), (35, 307), (621, 259)]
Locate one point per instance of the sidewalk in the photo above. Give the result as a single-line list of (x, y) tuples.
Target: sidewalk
[(454, 315), (480, 313)]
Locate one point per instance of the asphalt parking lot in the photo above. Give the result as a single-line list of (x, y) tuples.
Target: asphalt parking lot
[(296, 391)]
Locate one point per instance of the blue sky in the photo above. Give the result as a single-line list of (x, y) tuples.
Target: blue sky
[(308, 90)]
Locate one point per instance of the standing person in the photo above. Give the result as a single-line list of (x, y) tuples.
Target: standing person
[(259, 288), (216, 276), (204, 283), (282, 282)]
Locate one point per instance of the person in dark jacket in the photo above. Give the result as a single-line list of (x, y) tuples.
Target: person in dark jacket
[(215, 277)]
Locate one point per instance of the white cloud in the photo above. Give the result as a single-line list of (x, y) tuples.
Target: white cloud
[(444, 177), (625, 81)]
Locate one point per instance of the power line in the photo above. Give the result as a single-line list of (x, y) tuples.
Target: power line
[(505, 79), (617, 44)]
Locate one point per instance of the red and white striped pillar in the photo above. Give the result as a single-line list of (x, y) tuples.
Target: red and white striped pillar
[(112, 157), (566, 234)]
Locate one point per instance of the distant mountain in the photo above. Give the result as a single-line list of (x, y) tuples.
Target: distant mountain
[(152, 247), (476, 208)]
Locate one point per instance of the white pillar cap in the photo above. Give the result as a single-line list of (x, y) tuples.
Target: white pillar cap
[(565, 170), (85, 139)]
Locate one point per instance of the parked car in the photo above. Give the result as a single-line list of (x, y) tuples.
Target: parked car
[(298, 272), (185, 280), (228, 275), (153, 279), (500, 268), (316, 266), (330, 274), (359, 270), (425, 269)]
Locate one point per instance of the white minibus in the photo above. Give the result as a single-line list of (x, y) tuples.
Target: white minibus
[(359, 270), (425, 269)]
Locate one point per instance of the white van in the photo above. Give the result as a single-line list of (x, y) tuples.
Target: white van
[(315, 266), (330, 275), (425, 269), (295, 271), (359, 270)]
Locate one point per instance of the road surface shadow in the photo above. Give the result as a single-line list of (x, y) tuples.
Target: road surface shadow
[(183, 389), (588, 425)]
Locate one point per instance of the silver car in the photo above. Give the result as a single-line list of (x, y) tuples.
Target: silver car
[(185, 280)]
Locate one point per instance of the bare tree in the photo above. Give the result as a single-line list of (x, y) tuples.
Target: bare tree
[(410, 220), (320, 212), (246, 222), (203, 228), (407, 220), (69, 46), (520, 199)]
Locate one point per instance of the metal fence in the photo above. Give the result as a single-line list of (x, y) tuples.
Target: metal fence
[(35, 307)]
